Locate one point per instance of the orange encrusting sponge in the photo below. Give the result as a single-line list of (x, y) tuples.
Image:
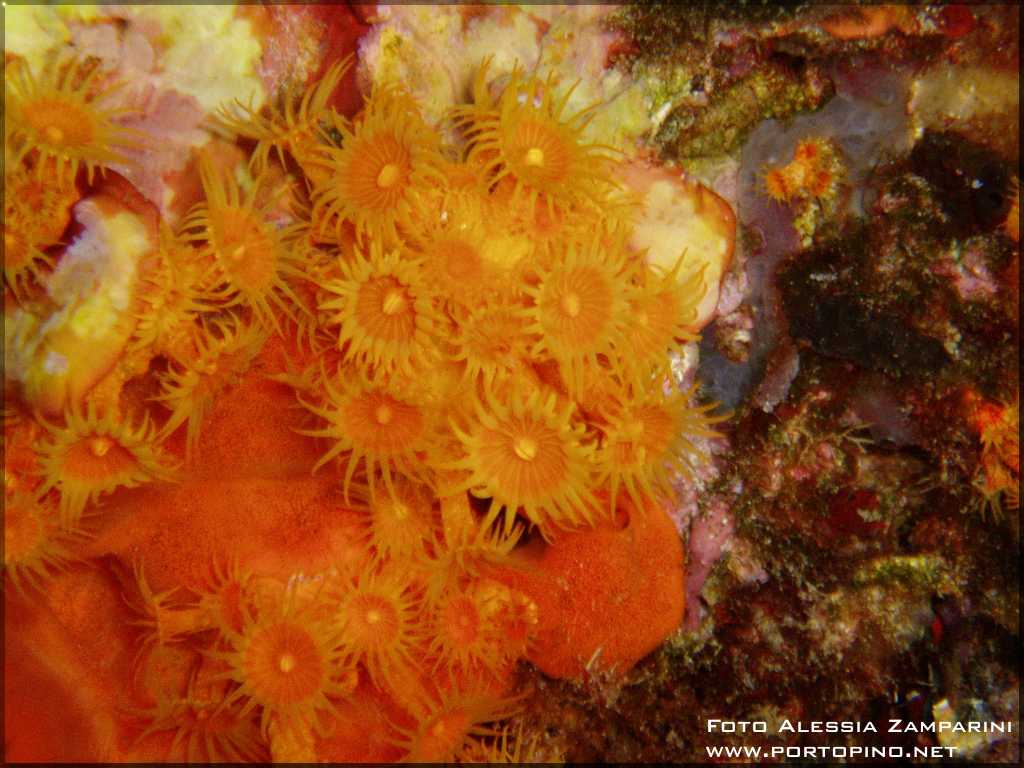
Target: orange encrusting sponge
[(606, 597)]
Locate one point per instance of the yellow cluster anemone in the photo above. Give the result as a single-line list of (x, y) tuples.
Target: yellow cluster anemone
[(221, 598), (401, 522), (221, 353), (469, 628), (579, 309), (647, 443), (487, 308), (492, 342), (529, 454), (467, 546), (378, 427), (205, 729), (384, 316), (169, 303), (377, 621), (35, 544), (662, 312), (61, 115), (249, 257), (527, 137), (291, 127), (449, 720), (454, 248), (384, 163), (286, 661), (478, 353), (93, 453), (36, 213)]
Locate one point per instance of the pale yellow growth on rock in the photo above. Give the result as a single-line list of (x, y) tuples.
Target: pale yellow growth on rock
[(679, 217), (435, 53), (425, 48), (61, 356), (576, 48), (195, 43), (211, 53), (34, 31), (948, 95)]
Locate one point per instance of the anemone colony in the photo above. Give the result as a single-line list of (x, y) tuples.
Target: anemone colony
[(475, 347)]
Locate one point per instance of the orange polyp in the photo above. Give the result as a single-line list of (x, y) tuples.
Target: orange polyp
[(222, 353), (647, 440), (92, 454), (289, 126), (448, 718), (528, 138), (492, 343), (470, 625), (385, 161), (579, 309), (363, 730), (371, 621), (377, 429), (378, 626), (384, 317), (401, 521), (443, 736), (286, 663), (777, 185), (528, 455), (249, 255), (58, 115), (35, 217), (814, 172), (34, 545), (60, 122), (272, 664)]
